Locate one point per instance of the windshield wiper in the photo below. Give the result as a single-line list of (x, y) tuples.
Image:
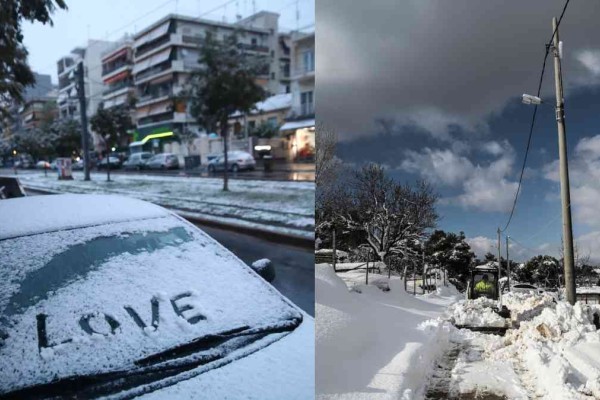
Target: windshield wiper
[(211, 341), (155, 367)]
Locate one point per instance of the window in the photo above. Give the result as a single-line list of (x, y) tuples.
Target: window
[(306, 103), (272, 121), (254, 41), (309, 60)]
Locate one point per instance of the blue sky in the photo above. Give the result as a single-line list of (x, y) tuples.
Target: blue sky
[(111, 19), (436, 95)]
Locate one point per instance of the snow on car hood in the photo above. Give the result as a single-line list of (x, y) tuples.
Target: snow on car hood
[(74, 304)]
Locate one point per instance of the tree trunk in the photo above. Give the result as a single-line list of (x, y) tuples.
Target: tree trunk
[(108, 167), (368, 257), (224, 134), (334, 253)]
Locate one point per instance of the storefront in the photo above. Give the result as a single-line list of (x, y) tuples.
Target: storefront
[(301, 140)]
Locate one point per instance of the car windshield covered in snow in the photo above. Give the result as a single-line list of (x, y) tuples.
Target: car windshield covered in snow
[(109, 308)]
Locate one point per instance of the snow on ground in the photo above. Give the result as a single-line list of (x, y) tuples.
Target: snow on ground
[(377, 341), (476, 313), (553, 352), (282, 206), (375, 344)]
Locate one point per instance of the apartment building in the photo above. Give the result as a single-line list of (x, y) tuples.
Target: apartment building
[(300, 124), (67, 101), (117, 67), (166, 52), (38, 110)]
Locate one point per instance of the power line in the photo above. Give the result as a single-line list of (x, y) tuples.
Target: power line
[(548, 45)]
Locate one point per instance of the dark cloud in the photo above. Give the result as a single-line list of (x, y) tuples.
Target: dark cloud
[(435, 63)]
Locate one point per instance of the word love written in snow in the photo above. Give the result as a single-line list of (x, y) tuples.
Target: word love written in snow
[(88, 321)]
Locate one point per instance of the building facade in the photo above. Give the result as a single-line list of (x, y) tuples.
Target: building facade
[(299, 128), (68, 102), (167, 52)]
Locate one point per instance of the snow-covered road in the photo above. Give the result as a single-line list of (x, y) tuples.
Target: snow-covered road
[(376, 344), (281, 207)]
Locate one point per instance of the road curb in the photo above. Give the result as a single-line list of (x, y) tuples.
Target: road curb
[(270, 235)]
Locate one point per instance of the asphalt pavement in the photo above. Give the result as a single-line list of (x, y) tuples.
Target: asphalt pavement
[(294, 266)]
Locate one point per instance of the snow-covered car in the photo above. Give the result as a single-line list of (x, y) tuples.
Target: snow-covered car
[(77, 165), (525, 288), (236, 161), (107, 296)]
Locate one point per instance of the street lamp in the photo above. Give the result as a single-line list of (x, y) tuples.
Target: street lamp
[(529, 99)]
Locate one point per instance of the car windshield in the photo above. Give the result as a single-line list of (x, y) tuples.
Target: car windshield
[(147, 299)]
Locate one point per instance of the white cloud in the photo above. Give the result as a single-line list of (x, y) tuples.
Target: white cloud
[(584, 174), (590, 60), (438, 166), (485, 186), (481, 245), (588, 244)]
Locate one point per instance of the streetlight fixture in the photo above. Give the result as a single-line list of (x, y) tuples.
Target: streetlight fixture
[(529, 99)]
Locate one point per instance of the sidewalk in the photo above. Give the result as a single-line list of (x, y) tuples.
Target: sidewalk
[(285, 208)]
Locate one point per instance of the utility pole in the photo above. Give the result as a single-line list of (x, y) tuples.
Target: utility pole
[(507, 266), (565, 195), (499, 265), (84, 128)]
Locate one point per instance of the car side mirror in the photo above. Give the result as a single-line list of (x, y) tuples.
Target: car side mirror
[(264, 267)]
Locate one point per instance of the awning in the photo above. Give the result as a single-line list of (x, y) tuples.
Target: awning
[(153, 34), (117, 77), (151, 61), (114, 56), (305, 123)]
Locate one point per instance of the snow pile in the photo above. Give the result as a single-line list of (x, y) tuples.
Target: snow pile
[(525, 306), (373, 344), (560, 348), (475, 313)]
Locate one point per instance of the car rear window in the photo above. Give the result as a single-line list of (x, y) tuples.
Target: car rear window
[(137, 296)]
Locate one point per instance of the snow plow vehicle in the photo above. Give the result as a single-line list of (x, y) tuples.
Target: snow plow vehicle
[(482, 310)]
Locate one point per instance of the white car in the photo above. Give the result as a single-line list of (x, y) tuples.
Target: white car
[(236, 161), (525, 288), (106, 296)]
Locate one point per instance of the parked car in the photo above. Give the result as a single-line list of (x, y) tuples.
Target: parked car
[(137, 161), (115, 163), (43, 165), (77, 165), (525, 288), (163, 161), (236, 161), (122, 298)]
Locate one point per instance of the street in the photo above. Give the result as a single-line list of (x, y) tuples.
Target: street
[(301, 173), (294, 266)]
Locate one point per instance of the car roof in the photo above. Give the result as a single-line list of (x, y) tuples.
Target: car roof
[(38, 214)]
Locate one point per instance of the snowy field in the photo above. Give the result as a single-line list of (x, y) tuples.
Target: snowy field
[(283, 207), (376, 344)]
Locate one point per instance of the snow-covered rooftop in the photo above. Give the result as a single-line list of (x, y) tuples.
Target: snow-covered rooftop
[(273, 103), (37, 214), (305, 123)]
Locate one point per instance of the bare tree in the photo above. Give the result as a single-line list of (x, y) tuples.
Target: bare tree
[(391, 215), (325, 159)]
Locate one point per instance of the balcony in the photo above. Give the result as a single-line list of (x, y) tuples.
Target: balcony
[(155, 119), (160, 70), (111, 70), (304, 74), (253, 47)]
